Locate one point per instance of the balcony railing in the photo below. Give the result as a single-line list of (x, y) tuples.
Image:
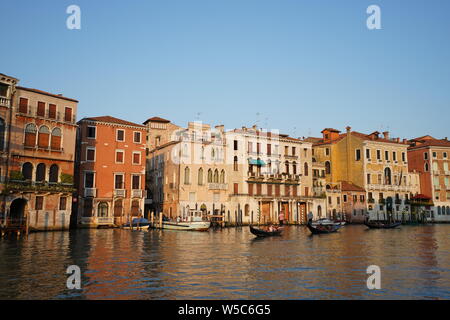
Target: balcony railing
[(35, 186), (90, 192), (120, 192), (5, 102), (137, 193), (217, 186)]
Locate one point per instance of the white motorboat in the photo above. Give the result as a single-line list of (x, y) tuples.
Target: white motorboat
[(195, 221), (327, 222)]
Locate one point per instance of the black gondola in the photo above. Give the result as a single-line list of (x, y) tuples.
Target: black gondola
[(263, 233), (381, 225), (321, 229)]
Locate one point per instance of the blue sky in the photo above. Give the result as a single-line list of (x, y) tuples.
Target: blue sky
[(294, 65)]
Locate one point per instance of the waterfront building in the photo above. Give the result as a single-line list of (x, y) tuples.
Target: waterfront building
[(269, 173), (374, 163), (188, 172), (430, 157), (109, 171), (37, 139)]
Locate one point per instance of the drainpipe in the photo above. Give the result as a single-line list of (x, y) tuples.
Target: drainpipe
[(8, 146)]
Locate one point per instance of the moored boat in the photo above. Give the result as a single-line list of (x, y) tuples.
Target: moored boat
[(265, 233), (327, 222), (137, 223), (195, 221)]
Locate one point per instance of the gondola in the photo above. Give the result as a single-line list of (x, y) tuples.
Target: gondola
[(263, 233), (321, 229), (381, 225)]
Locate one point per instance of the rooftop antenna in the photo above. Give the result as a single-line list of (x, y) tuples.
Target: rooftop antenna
[(257, 118)]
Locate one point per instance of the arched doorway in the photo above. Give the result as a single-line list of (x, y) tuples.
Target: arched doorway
[(319, 211), (17, 211)]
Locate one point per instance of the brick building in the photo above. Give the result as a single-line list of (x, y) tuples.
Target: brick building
[(110, 171)]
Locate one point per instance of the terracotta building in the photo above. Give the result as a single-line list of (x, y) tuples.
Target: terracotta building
[(430, 157), (110, 171), (38, 141)]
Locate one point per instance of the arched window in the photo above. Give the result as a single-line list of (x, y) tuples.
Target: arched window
[(56, 139), (30, 135), (200, 176), (235, 163), (287, 166), (387, 176), (210, 178), (102, 209), (439, 210), (327, 167), (306, 169), (118, 207), (53, 176), (43, 137), (40, 172), (2, 134), (216, 176), (135, 208), (27, 171), (222, 176), (426, 167), (186, 175), (294, 167)]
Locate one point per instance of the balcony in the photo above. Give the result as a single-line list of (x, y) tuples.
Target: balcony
[(217, 186), (120, 193), (90, 192), (35, 186), (137, 193), (290, 156), (5, 102)]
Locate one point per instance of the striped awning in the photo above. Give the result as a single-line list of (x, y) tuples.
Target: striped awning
[(256, 162)]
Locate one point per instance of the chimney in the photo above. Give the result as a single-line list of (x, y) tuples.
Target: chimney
[(220, 127), (386, 135), (255, 127), (405, 141), (348, 128), (397, 139)]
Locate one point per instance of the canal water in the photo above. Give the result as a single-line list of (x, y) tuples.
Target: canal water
[(228, 264)]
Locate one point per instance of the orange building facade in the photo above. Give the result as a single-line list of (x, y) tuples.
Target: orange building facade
[(38, 133), (109, 171)]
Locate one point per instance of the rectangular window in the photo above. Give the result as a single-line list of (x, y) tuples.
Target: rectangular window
[(338, 200), (91, 132), (118, 181), (361, 198), (136, 182), (329, 200), (250, 189), (23, 105), (378, 154), (294, 191), (444, 155), (41, 109), (269, 189), (137, 137), (62, 203), (269, 149), (434, 154), (236, 188), (386, 155), (327, 151), (90, 154), (368, 153), (258, 189), (358, 155), (119, 156), (68, 114), (52, 111), (355, 198), (89, 179), (287, 190), (403, 157), (258, 148), (293, 151), (277, 190), (39, 205), (136, 158), (345, 197), (120, 135), (394, 156), (250, 147), (368, 178), (286, 150), (235, 144), (425, 155), (306, 191)]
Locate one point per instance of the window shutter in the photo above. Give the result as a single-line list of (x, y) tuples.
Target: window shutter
[(68, 114), (41, 109), (23, 105)]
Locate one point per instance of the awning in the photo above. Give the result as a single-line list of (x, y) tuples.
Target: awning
[(256, 162)]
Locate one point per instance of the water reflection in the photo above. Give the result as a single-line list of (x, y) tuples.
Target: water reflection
[(228, 264)]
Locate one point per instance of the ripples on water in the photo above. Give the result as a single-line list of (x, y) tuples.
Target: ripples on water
[(228, 264)]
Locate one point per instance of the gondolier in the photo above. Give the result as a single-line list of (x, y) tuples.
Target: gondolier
[(281, 217)]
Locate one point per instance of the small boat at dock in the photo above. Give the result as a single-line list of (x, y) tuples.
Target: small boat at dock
[(265, 233), (327, 222), (137, 224), (195, 221)]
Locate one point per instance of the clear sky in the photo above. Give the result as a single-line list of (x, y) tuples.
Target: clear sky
[(294, 65)]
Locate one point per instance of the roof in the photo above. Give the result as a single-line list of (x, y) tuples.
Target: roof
[(420, 196), (109, 119), (156, 119), (47, 93), (348, 186), (330, 129), (366, 137), (428, 142)]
